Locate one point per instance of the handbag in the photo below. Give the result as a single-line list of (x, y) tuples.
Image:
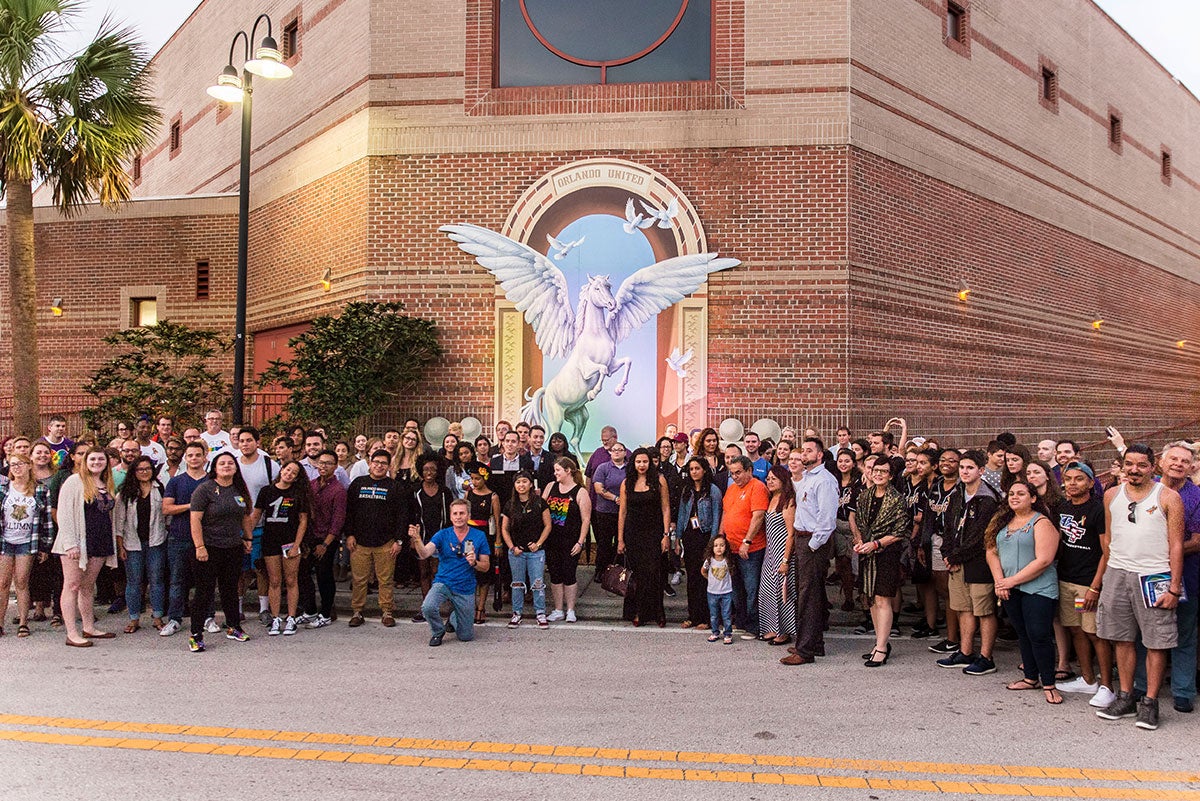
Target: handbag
[(617, 579)]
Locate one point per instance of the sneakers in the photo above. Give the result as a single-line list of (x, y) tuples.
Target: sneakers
[(543, 623), (275, 628), (956, 660), (305, 619), (922, 631), (944, 647), (1183, 704), (1078, 685), (670, 591), (1103, 697), (195, 643), (169, 629), (418, 618), (265, 617), (571, 616), (289, 627), (1123, 706), (866, 627), (514, 621), (436, 640), (236, 634), (556, 616), (1147, 713), (210, 625), (319, 622), (981, 666)]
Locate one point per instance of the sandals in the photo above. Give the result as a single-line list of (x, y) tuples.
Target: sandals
[(1053, 696), (687, 624), (157, 623), (1025, 684), (23, 630), (132, 627), (1063, 675), (713, 637)]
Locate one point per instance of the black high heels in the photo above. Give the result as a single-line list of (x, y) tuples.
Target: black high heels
[(872, 662)]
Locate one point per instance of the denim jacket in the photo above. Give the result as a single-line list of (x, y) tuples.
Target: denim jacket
[(708, 509)]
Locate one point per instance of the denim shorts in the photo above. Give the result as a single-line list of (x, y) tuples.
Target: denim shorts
[(13, 549)]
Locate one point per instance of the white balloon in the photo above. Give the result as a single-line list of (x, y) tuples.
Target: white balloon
[(472, 428), (436, 429), (731, 429), (766, 428)]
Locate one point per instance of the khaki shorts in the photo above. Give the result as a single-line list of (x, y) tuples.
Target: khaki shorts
[(1122, 615), (978, 599), (1068, 615)]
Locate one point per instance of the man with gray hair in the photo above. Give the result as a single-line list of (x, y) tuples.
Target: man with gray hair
[(744, 509)]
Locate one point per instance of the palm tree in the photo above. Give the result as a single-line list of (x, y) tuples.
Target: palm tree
[(72, 121)]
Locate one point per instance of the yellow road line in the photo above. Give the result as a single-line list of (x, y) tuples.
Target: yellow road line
[(681, 760), (219, 748)]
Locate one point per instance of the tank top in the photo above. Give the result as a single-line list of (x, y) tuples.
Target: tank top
[(565, 518), (1141, 546), (1016, 549)]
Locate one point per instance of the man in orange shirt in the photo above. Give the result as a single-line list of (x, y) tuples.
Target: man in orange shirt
[(745, 506)]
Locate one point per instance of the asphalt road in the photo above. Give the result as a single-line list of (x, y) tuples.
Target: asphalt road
[(669, 714)]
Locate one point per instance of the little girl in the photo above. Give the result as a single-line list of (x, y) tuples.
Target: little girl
[(720, 588)]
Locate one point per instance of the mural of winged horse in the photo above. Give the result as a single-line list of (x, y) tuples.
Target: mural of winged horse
[(587, 337)]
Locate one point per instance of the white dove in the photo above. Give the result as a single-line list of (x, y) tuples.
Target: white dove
[(663, 216), (634, 220), (561, 249), (676, 361)]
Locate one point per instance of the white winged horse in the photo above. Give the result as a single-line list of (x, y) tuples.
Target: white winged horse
[(589, 337)]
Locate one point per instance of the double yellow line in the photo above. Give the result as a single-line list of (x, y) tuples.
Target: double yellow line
[(617, 763)]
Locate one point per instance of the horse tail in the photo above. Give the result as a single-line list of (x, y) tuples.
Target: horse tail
[(531, 412)]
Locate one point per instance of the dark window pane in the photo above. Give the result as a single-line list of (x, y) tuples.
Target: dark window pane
[(612, 30)]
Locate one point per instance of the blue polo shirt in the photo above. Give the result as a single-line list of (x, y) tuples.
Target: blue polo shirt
[(453, 569)]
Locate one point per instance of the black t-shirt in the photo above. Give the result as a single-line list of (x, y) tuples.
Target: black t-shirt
[(434, 511), (914, 498), (848, 499), (143, 519), (224, 509), (525, 522), (281, 515), (1080, 528)]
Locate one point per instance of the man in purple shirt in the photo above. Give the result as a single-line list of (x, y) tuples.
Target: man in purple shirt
[(321, 541), (606, 488)]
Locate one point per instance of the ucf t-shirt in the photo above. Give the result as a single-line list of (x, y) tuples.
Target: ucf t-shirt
[(1080, 528)]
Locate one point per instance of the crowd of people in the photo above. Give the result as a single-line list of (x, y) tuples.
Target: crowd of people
[(1037, 545)]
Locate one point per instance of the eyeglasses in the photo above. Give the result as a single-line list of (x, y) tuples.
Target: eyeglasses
[(145, 469), (1133, 511)]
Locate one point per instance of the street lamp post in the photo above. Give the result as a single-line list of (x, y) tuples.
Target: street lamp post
[(233, 88)]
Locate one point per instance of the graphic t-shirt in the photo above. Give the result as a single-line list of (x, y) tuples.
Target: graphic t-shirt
[(60, 452), (1080, 528), (216, 442), (719, 580), (224, 509), (281, 518), (20, 520), (848, 499)]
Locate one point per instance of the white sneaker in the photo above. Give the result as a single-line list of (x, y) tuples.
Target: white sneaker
[(304, 620), (320, 621), (556, 616), (211, 626), (289, 628), (571, 616), (1079, 685), (1103, 697), (274, 630), (169, 629)]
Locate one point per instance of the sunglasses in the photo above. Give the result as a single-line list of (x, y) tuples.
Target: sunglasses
[(1133, 511)]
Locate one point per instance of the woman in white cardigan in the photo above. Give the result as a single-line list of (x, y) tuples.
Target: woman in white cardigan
[(86, 541), (142, 541)]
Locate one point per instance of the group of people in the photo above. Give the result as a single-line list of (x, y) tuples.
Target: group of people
[(1102, 566)]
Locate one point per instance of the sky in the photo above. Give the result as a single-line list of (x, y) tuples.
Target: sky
[(1166, 28)]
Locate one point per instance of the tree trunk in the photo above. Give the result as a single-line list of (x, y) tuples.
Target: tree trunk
[(22, 294)]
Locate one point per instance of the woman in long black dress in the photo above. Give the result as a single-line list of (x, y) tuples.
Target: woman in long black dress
[(642, 535)]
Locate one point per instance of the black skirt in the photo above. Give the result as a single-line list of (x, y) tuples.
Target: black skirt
[(879, 572)]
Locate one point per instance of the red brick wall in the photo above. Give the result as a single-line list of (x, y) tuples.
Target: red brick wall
[(1020, 353)]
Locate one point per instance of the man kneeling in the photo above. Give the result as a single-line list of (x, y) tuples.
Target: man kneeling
[(462, 552)]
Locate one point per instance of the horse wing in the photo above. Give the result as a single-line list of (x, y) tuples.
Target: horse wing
[(660, 286), (530, 280)]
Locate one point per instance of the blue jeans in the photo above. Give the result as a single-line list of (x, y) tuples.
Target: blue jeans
[(745, 591), (529, 567), (1183, 655), (147, 564), (179, 555), (720, 610), (463, 616)]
